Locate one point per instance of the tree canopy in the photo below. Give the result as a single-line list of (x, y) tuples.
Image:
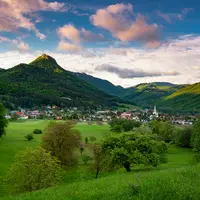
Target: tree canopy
[(3, 120)]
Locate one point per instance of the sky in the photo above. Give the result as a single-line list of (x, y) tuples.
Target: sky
[(125, 42)]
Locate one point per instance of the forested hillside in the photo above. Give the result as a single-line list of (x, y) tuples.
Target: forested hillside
[(44, 82), (186, 99)]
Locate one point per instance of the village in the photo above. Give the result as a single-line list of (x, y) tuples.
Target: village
[(55, 113)]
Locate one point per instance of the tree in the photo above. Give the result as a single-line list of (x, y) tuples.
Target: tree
[(164, 130), (29, 137), (81, 148), (183, 137), (195, 141), (3, 120), (37, 131), (127, 148), (102, 162), (62, 140), (123, 125), (32, 170)]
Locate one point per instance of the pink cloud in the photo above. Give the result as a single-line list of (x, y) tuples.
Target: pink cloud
[(69, 32), (115, 19), (16, 14), (65, 46)]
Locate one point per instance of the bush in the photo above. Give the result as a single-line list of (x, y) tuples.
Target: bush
[(32, 170), (86, 140), (92, 139), (37, 131), (62, 141), (29, 137), (86, 158)]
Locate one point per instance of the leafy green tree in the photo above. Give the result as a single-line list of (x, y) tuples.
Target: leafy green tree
[(195, 141), (3, 120), (123, 125), (62, 140), (102, 162), (29, 137), (164, 130), (32, 170), (127, 148), (182, 137)]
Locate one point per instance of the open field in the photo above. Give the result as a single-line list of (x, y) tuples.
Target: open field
[(80, 184)]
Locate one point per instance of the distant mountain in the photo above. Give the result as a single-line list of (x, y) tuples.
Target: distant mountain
[(102, 84), (186, 99), (44, 82), (145, 94), (148, 94), (1, 70)]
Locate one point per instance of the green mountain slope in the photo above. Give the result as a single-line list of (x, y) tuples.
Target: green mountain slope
[(103, 85), (186, 99), (148, 94), (44, 82)]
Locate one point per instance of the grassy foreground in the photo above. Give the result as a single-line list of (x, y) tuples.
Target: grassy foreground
[(177, 179)]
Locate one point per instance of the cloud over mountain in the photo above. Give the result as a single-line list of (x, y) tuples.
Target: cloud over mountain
[(133, 73)]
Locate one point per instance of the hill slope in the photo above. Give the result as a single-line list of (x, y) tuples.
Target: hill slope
[(145, 94), (148, 94), (103, 85), (186, 99), (44, 82)]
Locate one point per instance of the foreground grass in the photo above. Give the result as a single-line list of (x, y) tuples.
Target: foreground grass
[(183, 178), (174, 184)]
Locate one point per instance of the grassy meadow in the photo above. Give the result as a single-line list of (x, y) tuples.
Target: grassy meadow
[(180, 172)]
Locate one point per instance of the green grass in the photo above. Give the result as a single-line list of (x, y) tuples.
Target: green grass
[(79, 184)]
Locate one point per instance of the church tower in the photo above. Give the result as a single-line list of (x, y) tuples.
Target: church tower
[(155, 113)]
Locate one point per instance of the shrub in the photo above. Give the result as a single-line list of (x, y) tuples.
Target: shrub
[(62, 140), (86, 140), (37, 131), (92, 139), (29, 136), (86, 158), (32, 170)]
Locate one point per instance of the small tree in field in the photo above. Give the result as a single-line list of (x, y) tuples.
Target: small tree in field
[(86, 158), (29, 137), (128, 148), (32, 170), (3, 120), (102, 162), (62, 140)]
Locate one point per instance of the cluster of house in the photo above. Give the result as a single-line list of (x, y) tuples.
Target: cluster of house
[(105, 115)]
